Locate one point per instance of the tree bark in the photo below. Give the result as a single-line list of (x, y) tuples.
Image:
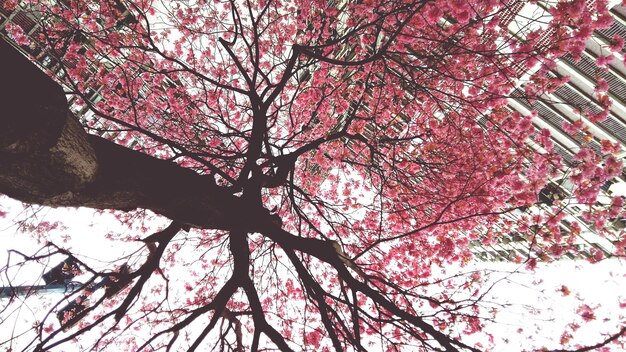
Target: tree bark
[(47, 158)]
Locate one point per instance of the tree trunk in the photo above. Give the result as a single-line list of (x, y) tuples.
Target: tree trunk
[(47, 158)]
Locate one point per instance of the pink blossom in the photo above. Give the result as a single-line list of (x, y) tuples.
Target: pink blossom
[(9, 5), (518, 185), (572, 128), (17, 34), (604, 60), (612, 166), (609, 148), (586, 313), (601, 86), (48, 328), (214, 142), (599, 117), (463, 16), (617, 206), (603, 21), (585, 154), (617, 43)]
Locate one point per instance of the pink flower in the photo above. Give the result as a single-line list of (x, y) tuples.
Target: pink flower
[(612, 166), (517, 185), (463, 16), (617, 43), (572, 128), (215, 142), (458, 5), (599, 117), (17, 34), (433, 13), (9, 5), (543, 137), (586, 313), (608, 147), (601, 86), (617, 205), (585, 154), (598, 255), (603, 61), (604, 21)]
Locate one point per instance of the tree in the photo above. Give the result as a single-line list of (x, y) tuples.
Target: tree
[(318, 159)]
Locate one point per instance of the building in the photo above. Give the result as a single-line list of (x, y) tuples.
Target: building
[(564, 105)]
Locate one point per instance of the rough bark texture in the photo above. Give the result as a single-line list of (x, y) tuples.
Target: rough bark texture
[(47, 158), (32, 106), (127, 179), (43, 150)]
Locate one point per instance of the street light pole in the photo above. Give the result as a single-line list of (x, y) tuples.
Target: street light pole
[(13, 291), (57, 280)]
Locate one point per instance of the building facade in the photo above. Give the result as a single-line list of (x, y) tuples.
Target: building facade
[(575, 100)]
